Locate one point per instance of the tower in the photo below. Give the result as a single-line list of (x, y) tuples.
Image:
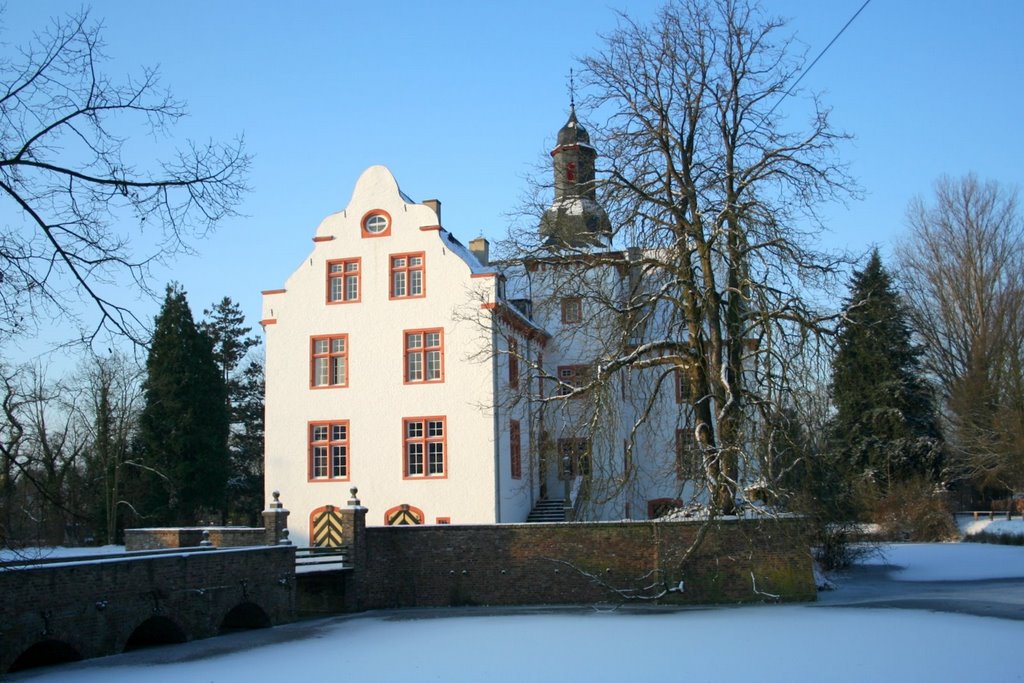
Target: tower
[(574, 219)]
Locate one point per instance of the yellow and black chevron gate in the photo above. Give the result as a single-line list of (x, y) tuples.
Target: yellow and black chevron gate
[(327, 527)]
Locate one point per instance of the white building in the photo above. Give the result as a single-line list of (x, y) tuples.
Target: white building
[(441, 385)]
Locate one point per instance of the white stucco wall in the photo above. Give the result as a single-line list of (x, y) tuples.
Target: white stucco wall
[(597, 336), (377, 398)]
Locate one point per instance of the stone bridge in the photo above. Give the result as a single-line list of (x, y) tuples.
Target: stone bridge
[(62, 610)]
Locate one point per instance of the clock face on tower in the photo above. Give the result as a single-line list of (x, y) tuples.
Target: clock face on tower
[(570, 171)]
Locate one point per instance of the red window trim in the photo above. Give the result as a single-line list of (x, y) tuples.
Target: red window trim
[(358, 272), (515, 448), (313, 356), (513, 363), (579, 372), (408, 270), (572, 310), (686, 447), (682, 380), (367, 216), (347, 441), (424, 440), (422, 352), (540, 375)]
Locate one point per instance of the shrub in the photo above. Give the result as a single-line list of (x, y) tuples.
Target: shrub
[(995, 538), (913, 511)]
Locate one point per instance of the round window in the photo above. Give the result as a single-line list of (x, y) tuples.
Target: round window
[(375, 223)]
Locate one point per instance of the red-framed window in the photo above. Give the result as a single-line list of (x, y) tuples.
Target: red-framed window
[(574, 457), (343, 281), (572, 310), (329, 457), (684, 392), (572, 377), (328, 367), (443, 520), (375, 223), (408, 277), (424, 356), (425, 446), (688, 458), (513, 363), (515, 449)]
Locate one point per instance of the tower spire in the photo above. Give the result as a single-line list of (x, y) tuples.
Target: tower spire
[(574, 219)]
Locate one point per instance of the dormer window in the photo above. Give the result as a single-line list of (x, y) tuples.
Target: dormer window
[(376, 223)]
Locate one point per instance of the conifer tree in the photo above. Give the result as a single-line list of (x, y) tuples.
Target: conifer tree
[(184, 424), (224, 324), (885, 425), (245, 484)]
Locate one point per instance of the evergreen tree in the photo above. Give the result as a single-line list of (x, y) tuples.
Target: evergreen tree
[(224, 324), (184, 424), (885, 425), (245, 485)]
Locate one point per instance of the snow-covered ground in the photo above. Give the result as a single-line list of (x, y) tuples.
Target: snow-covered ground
[(951, 561), (8, 555), (811, 642), (998, 525)]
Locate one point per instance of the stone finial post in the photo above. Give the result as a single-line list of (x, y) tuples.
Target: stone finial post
[(353, 523), (275, 521), (353, 535)]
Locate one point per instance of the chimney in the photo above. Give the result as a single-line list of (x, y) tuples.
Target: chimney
[(480, 248), (434, 204)]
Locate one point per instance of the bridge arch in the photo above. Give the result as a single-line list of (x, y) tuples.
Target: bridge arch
[(244, 616), (157, 630), (45, 653)]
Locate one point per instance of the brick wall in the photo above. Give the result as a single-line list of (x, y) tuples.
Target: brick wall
[(527, 564), (94, 607), (190, 537)]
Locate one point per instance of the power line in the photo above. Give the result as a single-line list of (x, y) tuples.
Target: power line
[(820, 55)]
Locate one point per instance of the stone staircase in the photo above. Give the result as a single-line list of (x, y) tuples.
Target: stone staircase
[(547, 510)]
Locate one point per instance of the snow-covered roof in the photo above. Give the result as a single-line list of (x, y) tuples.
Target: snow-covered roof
[(460, 250)]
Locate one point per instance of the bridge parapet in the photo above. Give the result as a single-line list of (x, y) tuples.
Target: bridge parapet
[(106, 604)]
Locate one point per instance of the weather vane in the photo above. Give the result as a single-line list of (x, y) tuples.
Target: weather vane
[(572, 90)]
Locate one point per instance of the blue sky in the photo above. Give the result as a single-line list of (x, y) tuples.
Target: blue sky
[(461, 100)]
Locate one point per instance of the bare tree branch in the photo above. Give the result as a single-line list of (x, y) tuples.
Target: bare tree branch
[(81, 207)]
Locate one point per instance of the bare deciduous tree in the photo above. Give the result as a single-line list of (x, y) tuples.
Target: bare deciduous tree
[(114, 401), (716, 200), (961, 267), (79, 196)]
